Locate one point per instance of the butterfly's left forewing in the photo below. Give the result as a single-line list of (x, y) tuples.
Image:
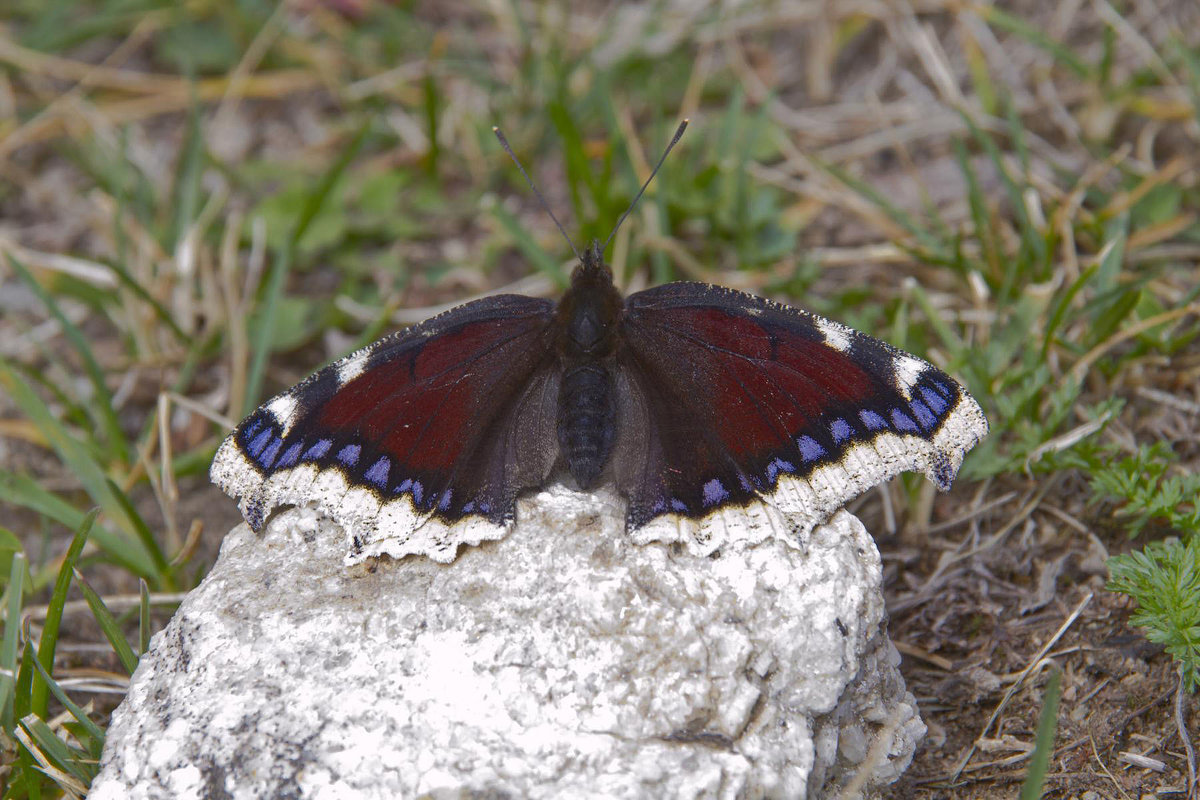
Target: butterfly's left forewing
[(742, 399), (416, 444)]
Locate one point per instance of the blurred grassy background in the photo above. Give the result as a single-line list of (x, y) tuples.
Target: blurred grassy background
[(202, 202)]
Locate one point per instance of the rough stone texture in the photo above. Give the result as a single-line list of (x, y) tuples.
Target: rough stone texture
[(560, 661)]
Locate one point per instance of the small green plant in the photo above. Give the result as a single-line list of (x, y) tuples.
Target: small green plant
[(1163, 578), (1148, 491), (1145, 488)]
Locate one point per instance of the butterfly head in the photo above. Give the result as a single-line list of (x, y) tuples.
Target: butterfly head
[(588, 311), (591, 265)]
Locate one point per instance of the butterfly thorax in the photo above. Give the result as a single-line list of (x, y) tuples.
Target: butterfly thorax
[(587, 317)]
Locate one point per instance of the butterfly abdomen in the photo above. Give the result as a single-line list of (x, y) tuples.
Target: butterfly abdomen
[(586, 421)]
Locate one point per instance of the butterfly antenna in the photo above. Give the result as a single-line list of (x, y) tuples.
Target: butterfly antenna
[(674, 140), (542, 200)]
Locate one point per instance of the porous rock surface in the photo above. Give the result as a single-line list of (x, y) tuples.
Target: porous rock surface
[(560, 661)]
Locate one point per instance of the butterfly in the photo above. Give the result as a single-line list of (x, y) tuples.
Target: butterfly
[(694, 401)]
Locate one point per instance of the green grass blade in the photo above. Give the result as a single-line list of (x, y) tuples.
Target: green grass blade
[(579, 173), (727, 129), (143, 617), (283, 265), (1035, 778), (1037, 36), (78, 713), (329, 181), (25, 774), (934, 319), (58, 752), (73, 412), (1116, 235), (160, 311), (12, 627), (979, 210), (542, 261), (10, 545), (1063, 304), (58, 598), (146, 537), (934, 247), (108, 624), (726, 201), (21, 490), (618, 166), (74, 455), (102, 403), (262, 346), (186, 194), (432, 101), (1033, 246), (24, 690), (1118, 305)]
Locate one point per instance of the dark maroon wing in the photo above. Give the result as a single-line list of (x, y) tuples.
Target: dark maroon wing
[(724, 398), (445, 420)]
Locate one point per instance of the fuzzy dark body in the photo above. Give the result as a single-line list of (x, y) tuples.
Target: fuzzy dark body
[(587, 317), (586, 422)]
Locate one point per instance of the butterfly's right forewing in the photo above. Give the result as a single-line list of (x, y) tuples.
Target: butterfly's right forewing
[(740, 398)]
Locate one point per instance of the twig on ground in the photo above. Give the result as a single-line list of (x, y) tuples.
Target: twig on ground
[(1100, 761), (1012, 690), (1189, 748)]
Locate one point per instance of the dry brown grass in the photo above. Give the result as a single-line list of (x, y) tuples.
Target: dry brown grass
[(989, 587)]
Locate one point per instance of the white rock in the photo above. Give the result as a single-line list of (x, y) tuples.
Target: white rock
[(560, 661)]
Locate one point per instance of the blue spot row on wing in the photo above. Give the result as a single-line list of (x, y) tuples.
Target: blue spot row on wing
[(252, 429), (810, 449), (377, 475), (318, 450), (482, 507), (872, 420), (903, 422), (925, 417), (777, 466), (290, 456), (714, 492), (259, 442), (930, 403), (270, 451), (348, 455), (262, 443), (662, 505), (932, 399), (413, 487)]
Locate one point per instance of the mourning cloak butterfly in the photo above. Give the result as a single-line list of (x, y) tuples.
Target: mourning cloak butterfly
[(691, 399)]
